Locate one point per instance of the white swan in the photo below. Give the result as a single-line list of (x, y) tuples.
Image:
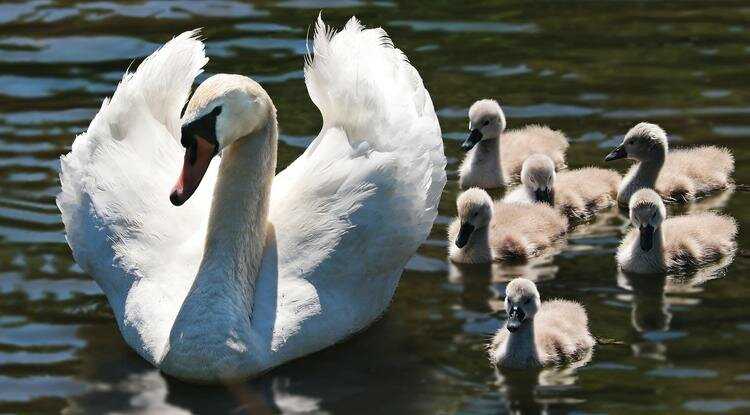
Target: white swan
[(253, 271)]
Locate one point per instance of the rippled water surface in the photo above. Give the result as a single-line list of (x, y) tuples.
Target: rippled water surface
[(590, 69)]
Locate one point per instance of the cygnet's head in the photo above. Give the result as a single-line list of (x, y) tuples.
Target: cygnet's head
[(222, 110), (474, 212), (538, 177), (521, 302), (486, 121), (643, 142), (647, 212)]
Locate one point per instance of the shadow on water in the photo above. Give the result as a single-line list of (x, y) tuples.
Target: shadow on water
[(681, 344)]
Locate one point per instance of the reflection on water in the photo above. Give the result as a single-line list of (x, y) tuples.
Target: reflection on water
[(680, 344)]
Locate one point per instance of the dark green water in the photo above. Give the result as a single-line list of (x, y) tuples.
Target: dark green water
[(590, 69)]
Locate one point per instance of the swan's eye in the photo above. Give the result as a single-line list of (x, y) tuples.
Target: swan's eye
[(528, 300), (486, 122), (475, 214)]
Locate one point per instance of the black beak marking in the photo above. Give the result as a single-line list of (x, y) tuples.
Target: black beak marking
[(472, 140), (617, 153), (647, 237), (463, 234), (515, 318), (545, 196), (204, 127)]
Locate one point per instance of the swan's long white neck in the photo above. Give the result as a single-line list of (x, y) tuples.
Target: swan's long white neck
[(212, 328), (239, 211)]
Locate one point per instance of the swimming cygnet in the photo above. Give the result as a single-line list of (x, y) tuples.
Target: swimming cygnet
[(485, 230), (578, 193), (674, 245), (678, 175), (494, 156), (539, 334)]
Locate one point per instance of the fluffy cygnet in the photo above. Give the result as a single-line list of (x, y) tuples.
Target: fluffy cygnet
[(674, 245), (539, 334), (679, 175), (578, 194), (514, 232), (494, 156)]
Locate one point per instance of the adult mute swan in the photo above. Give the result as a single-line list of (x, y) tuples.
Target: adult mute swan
[(253, 270)]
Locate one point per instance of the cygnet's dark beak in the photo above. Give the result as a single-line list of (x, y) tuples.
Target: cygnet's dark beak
[(515, 318), (545, 196), (472, 140), (617, 153), (647, 237), (463, 234)]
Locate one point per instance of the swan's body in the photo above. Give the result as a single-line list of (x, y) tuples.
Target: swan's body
[(253, 271), (578, 193), (539, 334), (678, 244), (494, 157), (678, 175), (513, 232)]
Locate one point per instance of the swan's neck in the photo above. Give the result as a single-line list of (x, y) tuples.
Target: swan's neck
[(521, 344), (213, 325), (644, 175), (488, 151), (239, 212), (478, 247), (647, 171)]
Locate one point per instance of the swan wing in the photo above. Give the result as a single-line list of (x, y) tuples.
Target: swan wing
[(116, 180), (356, 205)]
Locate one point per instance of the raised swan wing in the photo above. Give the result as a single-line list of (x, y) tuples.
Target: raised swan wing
[(352, 210), (115, 193)]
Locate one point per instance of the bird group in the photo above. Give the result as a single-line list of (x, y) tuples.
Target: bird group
[(544, 200), (233, 269)]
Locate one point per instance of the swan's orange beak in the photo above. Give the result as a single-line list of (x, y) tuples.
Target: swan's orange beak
[(198, 156)]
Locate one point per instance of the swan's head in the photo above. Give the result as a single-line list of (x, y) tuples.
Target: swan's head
[(643, 142), (486, 121), (647, 212), (474, 212), (521, 302), (538, 177), (222, 110)]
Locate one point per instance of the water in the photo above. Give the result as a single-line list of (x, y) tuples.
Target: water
[(592, 70)]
